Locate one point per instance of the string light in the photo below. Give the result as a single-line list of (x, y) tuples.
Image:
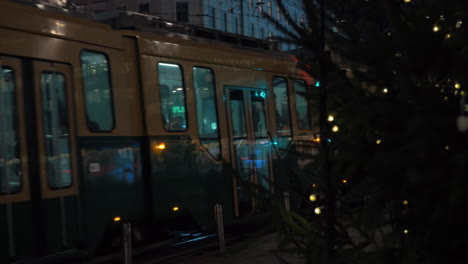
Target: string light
[(405, 231), (458, 24), (447, 147), (335, 128), (435, 28), (330, 118), (344, 181), (314, 185), (457, 85), (385, 90), (378, 141), (405, 202), (448, 36), (313, 197), (407, 1), (318, 210)]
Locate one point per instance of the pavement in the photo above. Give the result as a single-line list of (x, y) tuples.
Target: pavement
[(260, 250)]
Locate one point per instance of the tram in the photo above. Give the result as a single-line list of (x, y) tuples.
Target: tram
[(100, 126)]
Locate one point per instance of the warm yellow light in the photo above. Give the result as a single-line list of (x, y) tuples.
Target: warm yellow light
[(378, 141), (330, 118), (447, 147), (405, 231), (335, 128), (457, 85), (435, 28), (344, 181), (407, 1), (448, 36), (313, 197), (117, 219), (175, 208), (405, 202), (160, 146), (316, 139), (385, 90), (318, 210), (314, 185)]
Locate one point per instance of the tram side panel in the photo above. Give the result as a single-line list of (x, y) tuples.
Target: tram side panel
[(110, 145), (186, 178)]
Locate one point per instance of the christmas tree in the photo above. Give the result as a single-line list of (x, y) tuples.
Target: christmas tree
[(388, 185)]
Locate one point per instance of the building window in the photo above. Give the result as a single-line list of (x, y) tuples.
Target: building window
[(98, 92), (182, 12), (260, 7), (172, 91), (252, 29), (278, 13), (225, 22), (10, 163), (212, 17), (236, 25), (250, 3), (144, 8), (270, 11), (262, 33), (207, 117)]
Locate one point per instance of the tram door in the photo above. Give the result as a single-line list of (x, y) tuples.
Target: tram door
[(250, 147), (38, 176)]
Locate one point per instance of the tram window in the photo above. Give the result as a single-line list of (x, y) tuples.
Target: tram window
[(258, 113), (10, 163), (98, 93), (172, 92), (207, 114), (238, 114), (283, 117), (302, 109), (56, 130)]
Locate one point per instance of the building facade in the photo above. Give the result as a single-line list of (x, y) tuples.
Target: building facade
[(244, 17)]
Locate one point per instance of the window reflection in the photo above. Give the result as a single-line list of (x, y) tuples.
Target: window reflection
[(98, 94), (302, 109), (207, 113), (172, 92), (10, 163), (56, 130)]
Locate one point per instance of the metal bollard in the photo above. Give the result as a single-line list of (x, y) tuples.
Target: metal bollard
[(287, 203), (127, 243), (218, 212)]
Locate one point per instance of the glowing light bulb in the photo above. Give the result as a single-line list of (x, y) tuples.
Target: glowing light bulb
[(160, 146), (378, 141), (175, 208), (407, 1), (117, 219), (448, 36), (435, 28), (405, 202), (405, 231), (318, 210), (335, 128), (385, 90), (314, 185), (313, 197), (330, 118), (344, 181), (457, 85), (447, 147)]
